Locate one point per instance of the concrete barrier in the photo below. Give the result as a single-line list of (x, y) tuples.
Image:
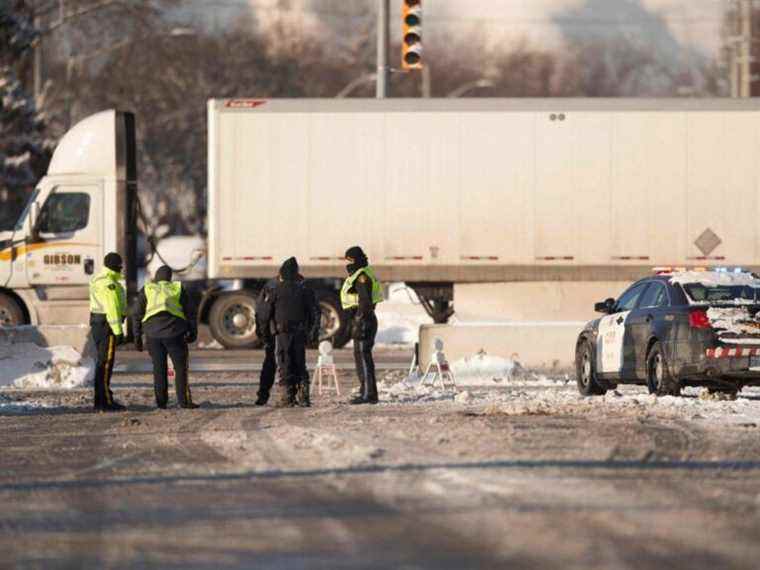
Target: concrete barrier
[(544, 346), (75, 336)]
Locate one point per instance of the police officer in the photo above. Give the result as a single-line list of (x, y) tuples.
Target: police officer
[(360, 293), (108, 303), (163, 309), (265, 333), (294, 314)]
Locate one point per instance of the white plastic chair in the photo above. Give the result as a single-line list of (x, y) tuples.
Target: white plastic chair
[(439, 369), (325, 369)]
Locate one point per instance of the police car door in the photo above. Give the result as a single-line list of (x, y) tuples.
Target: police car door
[(65, 245), (612, 340)]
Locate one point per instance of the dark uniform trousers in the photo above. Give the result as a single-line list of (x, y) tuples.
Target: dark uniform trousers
[(268, 370), (291, 359), (176, 348), (105, 345), (364, 334)]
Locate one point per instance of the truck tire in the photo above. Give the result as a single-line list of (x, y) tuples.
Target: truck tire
[(585, 367), (659, 379), (11, 313), (335, 326), (232, 320)]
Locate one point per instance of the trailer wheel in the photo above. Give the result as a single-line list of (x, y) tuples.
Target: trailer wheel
[(232, 320), (11, 314), (334, 326)]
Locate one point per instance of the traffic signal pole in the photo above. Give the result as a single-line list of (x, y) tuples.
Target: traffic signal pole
[(383, 46)]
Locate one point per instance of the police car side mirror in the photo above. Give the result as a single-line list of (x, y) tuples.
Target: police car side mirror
[(607, 306)]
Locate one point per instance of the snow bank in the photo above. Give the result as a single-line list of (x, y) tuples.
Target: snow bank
[(28, 366), (399, 318)]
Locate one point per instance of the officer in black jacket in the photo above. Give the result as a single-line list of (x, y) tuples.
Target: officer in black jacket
[(265, 333), (164, 311), (294, 314)]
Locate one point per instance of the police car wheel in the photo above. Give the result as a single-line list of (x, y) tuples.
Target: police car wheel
[(232, 321), (334, 325), (11, 314), (588, 385), (659, 380)]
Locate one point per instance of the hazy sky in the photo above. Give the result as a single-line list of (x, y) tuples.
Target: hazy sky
[(691, 22)]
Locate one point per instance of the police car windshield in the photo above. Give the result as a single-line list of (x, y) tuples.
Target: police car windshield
[(701, 293)]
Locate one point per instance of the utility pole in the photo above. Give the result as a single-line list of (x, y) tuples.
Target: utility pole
[(747, 44), (383, 45)]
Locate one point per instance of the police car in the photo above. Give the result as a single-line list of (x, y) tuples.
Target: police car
[(676, 328)]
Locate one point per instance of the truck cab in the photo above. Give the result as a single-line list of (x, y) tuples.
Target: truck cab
[(83, 208)]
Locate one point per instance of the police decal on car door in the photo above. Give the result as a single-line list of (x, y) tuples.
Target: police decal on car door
[(609, 347)]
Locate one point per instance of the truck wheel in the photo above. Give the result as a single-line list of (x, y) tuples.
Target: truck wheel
[(334, 326), (585, 368), (11, 314), (232, 320), (659, 380)]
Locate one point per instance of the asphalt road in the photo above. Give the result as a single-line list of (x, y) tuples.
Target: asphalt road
[(429, 483), (209, 360)]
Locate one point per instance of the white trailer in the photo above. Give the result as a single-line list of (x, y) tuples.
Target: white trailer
[(576, 194), (522, 208)]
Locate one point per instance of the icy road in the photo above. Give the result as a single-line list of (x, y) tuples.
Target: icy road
[(520, 473)]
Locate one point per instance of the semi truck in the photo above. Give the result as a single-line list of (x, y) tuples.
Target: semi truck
[(502, 208)]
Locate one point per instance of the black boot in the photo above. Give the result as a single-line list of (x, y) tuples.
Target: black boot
[(262, 399), (304, 396), (287, 397)]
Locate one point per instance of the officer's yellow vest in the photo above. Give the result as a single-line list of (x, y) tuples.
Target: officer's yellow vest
[(163, 297), (350, 300), (107, 297)]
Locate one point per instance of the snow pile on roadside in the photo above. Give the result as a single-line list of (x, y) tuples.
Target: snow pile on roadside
[(28, 366), (399, 318)]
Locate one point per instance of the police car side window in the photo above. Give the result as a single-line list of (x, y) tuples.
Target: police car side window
[(656, 296), (628, 299)]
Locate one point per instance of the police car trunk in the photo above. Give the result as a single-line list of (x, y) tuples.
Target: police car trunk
[(726, 306)]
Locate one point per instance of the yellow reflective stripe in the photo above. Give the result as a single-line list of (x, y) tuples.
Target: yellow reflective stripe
[(107, 375)]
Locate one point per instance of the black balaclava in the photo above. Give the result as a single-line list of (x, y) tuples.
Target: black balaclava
[(359, 259), (163, 273), (113, 262), (289, 269)]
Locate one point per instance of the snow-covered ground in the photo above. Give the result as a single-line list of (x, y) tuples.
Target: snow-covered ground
[(28, 366)]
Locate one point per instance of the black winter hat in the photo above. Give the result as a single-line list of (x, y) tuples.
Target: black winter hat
[(113, 261), (163, 273), (289, 269), (356, 253)]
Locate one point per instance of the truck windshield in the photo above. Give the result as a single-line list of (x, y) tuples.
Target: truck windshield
[(701, 293), (21, 213)]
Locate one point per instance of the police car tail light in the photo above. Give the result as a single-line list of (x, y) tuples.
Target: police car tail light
[(699, 320)]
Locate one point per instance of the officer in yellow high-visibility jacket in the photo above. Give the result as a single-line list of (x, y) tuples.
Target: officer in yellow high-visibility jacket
[(360, 293), (165, 312), (108, 304)]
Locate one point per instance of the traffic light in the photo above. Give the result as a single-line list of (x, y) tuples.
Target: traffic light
[(411, 37)]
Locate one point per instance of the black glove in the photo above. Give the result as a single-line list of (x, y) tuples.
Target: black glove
[(119, 339), (138, 343), (191, 336)]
